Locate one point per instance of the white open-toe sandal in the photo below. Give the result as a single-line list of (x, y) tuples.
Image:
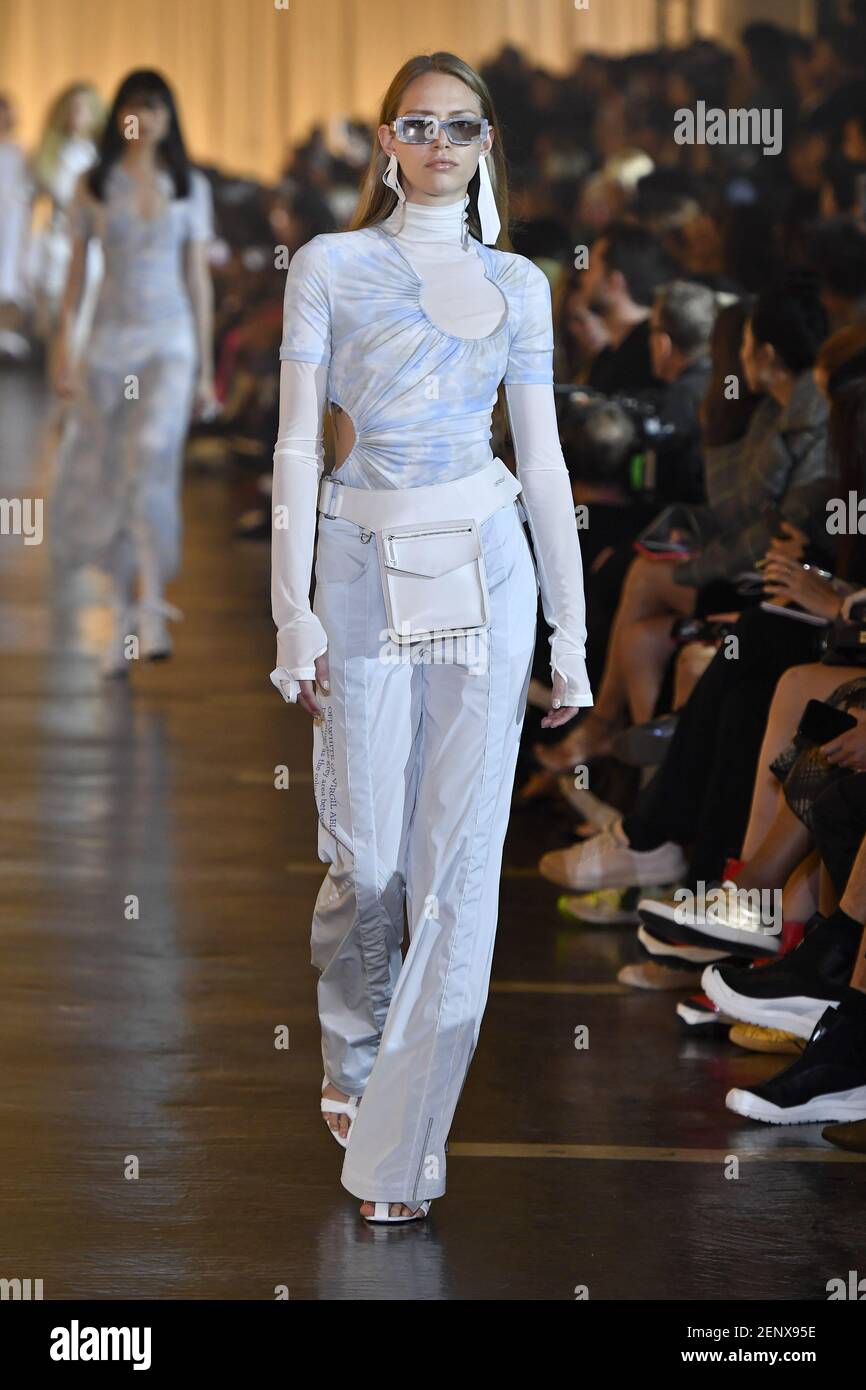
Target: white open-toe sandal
[(339, 1107), (380, 1215)]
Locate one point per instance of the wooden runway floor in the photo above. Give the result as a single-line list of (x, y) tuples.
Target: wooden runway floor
[(154, 1143)]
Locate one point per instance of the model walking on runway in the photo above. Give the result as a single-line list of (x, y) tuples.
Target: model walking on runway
[(146, 366), (414, 658)]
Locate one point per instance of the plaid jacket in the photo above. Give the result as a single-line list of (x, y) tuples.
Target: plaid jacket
[(782, 461)]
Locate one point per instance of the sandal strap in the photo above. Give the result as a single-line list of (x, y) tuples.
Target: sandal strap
[(340, 1107), (381, 1211)]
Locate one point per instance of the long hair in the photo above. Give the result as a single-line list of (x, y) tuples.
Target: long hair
[(46, 156), (171, 150), (377, 200), (847, 442), (722, 420)]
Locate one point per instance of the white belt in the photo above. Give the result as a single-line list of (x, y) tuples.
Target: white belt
[(474, 497)]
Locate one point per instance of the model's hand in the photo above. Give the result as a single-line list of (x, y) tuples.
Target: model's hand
[(307, 697), (556, 717), (205, 404), (849, 749), (785, 581)]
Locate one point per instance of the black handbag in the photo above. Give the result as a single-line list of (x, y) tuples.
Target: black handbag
[(843, 643)]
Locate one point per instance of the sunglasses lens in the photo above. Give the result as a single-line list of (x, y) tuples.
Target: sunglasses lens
[(463, 132), (413, 130)]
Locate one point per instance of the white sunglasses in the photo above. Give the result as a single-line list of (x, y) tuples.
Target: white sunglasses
[(423, 130)]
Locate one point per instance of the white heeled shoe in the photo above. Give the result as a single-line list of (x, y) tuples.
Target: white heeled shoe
[(154, 640), (114, 661), (380, 1215), (340, 1107)]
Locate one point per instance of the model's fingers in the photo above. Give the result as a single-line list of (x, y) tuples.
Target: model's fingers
[(307, 699), (323, 674), (556, 717)]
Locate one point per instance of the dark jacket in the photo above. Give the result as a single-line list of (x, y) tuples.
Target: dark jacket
[(680, 464), (784, 464)]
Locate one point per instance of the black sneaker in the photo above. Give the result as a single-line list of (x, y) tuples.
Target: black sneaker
[(828, 1080), (672, 954), (792, 992)]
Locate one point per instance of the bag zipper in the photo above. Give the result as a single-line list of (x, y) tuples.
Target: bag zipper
[(391, 540), (446, 531)]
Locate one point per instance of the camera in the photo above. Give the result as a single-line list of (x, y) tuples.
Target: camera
[(614, 439)]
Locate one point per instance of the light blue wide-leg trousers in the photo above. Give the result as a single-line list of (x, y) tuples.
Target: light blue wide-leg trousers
[(414, 767)]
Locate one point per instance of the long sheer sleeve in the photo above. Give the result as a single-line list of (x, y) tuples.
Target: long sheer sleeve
[(298, 467), (549, 507), (305, 353)]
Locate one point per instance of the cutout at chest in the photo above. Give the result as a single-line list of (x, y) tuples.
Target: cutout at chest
[(455, 294)]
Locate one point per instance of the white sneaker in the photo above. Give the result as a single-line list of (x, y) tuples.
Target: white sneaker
[(680, 912), (608, 861)]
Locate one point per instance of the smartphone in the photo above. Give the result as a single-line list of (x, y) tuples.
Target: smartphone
[(822, 722)]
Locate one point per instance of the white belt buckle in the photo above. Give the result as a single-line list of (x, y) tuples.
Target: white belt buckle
[(327, 498)]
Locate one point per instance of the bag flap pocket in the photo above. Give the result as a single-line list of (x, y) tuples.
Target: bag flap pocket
[(433, 553)]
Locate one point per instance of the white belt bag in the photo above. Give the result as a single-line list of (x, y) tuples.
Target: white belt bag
[(431, 560)]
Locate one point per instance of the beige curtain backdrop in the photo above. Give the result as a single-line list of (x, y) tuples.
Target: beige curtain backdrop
[(251, 76)]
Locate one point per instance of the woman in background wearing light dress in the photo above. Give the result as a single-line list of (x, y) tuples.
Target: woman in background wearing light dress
[(15, 198), (146, 367), (66, 149)]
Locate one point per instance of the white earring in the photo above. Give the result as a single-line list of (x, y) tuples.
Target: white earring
[(488, 214), (392, 178)]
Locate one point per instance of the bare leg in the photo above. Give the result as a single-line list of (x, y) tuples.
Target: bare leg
[(649, 646), (853, 902), (785, 844), (795, 688), (649, 592), (801, 892), (828, 898)]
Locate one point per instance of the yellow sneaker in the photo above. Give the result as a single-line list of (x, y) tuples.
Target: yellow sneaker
[(756, 1039)]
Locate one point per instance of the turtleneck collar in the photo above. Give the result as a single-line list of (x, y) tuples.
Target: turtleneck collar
[(425, 222)]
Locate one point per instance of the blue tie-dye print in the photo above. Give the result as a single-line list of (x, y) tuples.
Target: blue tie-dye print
[(419, 398)]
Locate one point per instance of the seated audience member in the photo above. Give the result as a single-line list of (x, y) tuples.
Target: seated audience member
[(626, 267), (681, 325), (598, 441), (842, 189), (700, 796), (784, 456), (579, 334), (817, 991), (837, 252), (854, 131)]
